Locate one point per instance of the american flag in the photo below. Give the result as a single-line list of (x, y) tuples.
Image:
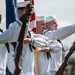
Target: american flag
[(33, 18)]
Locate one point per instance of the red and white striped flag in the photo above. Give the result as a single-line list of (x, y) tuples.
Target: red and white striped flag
[(33, 28), (33, 18)]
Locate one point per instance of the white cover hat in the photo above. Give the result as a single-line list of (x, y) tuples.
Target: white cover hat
[(40, 18), (50, 18), (22, 3)]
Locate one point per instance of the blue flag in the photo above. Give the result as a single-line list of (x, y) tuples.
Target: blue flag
[(11, 12), (11, 16)]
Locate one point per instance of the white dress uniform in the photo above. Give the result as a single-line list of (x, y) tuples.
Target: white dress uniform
[(8, 35), (3, 58), (28, 59), (61, 34), (28, 56), (10, 60), (44, 63)]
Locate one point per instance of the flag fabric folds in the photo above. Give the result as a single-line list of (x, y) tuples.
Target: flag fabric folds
[(11, 16), (33, 18), (11, 12)]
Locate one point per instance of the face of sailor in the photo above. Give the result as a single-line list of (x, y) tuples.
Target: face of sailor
[(21, 11), (52, 25), (0, 18), (40, 26)]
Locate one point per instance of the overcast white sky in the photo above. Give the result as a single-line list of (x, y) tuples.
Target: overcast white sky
[(63, 9)]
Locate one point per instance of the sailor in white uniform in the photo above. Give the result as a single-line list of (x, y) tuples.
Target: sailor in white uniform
[(21, 11), (60, 33), (40, 41), (5, 48), (43, 60), (53, 33), (10, 35)]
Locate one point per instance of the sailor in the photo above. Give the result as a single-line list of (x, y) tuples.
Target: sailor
[(56, 57), (10, 35), (45, 70), (21, 11), (57, 34), (5, 48), (43, 44)]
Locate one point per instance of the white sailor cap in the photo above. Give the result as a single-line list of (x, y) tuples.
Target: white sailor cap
[(50, 18), (22, 3), (40, 18)]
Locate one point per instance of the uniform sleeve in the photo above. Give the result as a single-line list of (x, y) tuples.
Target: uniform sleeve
[(7, 35), (61, 33), (37, 41), (55, 46)]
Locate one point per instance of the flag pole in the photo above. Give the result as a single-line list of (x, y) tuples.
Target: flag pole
[(36, 62)]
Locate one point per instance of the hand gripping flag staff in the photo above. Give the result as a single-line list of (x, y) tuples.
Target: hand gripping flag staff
[(33, 28), (33, 18)]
